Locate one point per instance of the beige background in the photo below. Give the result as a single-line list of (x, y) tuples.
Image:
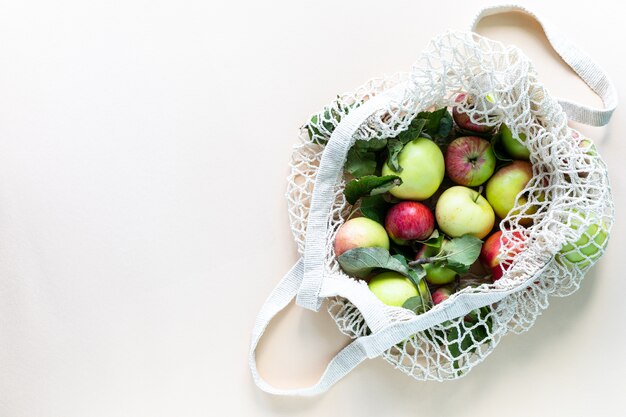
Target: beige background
[(143, 154)]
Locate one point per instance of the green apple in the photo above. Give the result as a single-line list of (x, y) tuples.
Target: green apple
[(461, 210), (591, 244), (505, 185), (514, 148), (360, 232), (423, 169), (393, 288), (436, 274)]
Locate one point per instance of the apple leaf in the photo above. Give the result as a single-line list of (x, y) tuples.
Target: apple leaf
[(372, 145), (438, 123), (360, 163), (498, 148), (416, 304), (375, 207), (413, 132), (360, 262), (369, 185), (394, 146), (415, 273), (476, 328), (322, 124), (461, 252), (435, 240)]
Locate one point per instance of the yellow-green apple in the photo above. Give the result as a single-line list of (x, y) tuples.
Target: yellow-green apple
[(436, 274), (587, 146), (470, 161), (441, 294), (463, 119), (590, 246), (409, 220), (423, 168), (512, 145), (505, 185), (393, 288), (490, 252), (360, 232), (461, 210)]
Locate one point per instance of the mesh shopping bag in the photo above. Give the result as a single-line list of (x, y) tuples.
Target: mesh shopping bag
[(568, 202)]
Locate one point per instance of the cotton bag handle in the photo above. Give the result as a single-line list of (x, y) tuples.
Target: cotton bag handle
[(586, 68)]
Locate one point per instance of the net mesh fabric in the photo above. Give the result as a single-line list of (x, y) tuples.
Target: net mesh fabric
[(561, 219)]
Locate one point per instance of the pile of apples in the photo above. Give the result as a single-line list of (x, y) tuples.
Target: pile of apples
[(450, 188)]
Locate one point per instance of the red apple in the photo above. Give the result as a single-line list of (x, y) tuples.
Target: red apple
[(409, 220), (490, 252), (470, 161), (360, 232), (441, 295), (463, 119)]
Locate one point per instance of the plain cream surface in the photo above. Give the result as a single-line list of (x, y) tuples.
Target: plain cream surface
[(143, 155)]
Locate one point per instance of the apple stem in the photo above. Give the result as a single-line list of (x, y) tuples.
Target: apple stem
[(354, 210), (424, 261), (479, 193)]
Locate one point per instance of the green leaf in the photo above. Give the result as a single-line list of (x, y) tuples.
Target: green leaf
[(360, 262), (416, 304), (416, 274), (369, 185), (435, 240), (360, 163), (394, 146), (322, 124), (375, 207), (413, 131), (498, 148), (461, 252), (438, 122), (372, 145), (445, 126), (459, 340)]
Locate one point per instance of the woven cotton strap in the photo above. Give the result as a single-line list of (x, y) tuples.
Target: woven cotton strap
[(382, 338), (281, 296), (328, 173), (579, 61)]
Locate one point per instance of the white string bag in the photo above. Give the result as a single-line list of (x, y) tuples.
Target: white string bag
[(568, 199)]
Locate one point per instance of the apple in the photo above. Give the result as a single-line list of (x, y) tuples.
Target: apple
[(589, 150), (461, 210), (423, 169), (463, 119), (505, 185), (360, 232), (470, 161), (441, 294), (436, 274), (393, 288), (512, 144), (409, 220), (490, 252), (591, 244)]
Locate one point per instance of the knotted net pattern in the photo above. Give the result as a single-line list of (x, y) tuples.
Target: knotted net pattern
[(561, 219)]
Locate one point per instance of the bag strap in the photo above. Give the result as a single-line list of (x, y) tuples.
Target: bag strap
[(383, 335), (330, 168), (346, 360), (582, 64)]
